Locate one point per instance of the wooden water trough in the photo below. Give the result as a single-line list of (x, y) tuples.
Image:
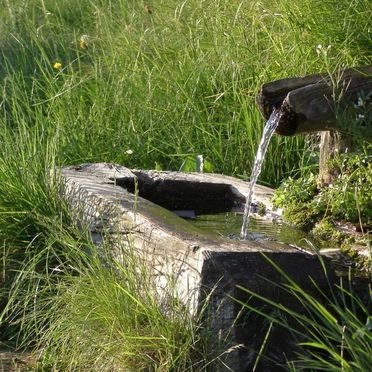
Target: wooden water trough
[(137, 208)]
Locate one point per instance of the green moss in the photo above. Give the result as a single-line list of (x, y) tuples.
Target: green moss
[(348, 198), (301, 215), (361, 261), (347, 250), (261, 208), (326, 230)]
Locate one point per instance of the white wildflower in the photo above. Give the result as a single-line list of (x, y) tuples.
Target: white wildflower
[(360, 102)]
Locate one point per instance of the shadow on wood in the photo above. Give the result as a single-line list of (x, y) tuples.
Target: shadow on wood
[(316, 102)]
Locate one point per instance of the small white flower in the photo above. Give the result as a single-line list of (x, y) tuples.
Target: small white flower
[(360, 102), (129, 152), (56, 269)]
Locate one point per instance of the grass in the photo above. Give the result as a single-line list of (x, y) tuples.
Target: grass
[(175, 83), (331, 329), (91, 312), (144, 90)]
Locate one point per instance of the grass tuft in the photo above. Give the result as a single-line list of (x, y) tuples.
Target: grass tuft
[(331, 330)]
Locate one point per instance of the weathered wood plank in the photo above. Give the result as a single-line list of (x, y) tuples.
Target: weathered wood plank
[(201, 266), (317, 107), (310, 103), (326, 103), (16, 361)]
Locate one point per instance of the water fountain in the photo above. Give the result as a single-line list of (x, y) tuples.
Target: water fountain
[(328, 103), (309, 104), (269, 129), (135, 208)]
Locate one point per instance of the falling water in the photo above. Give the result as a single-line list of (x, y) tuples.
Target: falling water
[(269, 130)]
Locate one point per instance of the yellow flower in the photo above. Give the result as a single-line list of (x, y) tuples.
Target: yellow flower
[(57, 65), (84, 41)]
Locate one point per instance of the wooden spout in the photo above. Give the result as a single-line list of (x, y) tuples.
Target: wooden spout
[(313, 103), (330, 104)]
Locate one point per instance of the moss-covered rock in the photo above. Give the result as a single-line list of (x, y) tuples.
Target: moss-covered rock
[(348, 199), (302, 216), (326, 230), (361, 255)]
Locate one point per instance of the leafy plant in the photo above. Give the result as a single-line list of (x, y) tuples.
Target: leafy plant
[(350, 195), (348, 198), (295, 191)]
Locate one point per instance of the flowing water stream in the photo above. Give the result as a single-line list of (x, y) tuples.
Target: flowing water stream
[(268, 132)]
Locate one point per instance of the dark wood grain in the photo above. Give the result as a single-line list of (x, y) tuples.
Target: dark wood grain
[(312, 103)]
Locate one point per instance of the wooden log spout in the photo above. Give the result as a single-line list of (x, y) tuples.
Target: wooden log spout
[(319, 102)]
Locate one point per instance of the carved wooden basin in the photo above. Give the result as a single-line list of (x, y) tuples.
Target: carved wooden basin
[(136, 207)]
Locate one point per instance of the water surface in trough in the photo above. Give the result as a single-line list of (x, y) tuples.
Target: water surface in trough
[(229, 224)]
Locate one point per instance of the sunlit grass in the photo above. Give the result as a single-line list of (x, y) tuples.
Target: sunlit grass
[(175, 83), (88, 311), (332, 327), (86, 81)]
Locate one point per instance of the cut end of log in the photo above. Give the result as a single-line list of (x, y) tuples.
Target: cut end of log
[(288, 121), (339, 106), (313, 103)]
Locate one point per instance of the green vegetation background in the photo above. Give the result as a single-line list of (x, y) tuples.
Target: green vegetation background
[(149, 87), (167, 84)]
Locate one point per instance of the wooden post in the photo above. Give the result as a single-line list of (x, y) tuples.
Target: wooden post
[(330, 144)]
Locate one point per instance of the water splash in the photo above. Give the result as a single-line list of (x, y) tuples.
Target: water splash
[(268, 132)]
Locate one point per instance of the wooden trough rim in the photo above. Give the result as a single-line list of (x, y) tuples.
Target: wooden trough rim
[(100, 181)]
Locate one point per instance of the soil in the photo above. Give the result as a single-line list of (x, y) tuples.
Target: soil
[(12, 361)]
